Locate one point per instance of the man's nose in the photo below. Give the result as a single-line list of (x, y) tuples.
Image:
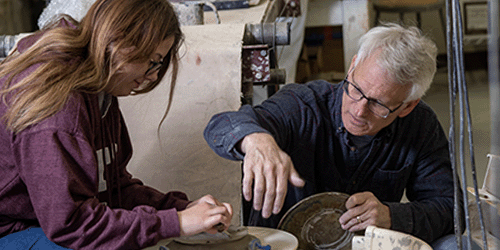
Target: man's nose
[(361, 107)]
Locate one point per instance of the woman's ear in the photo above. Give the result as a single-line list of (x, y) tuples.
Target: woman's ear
[(408, 108)]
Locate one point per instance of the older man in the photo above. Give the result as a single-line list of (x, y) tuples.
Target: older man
[(369, 136)]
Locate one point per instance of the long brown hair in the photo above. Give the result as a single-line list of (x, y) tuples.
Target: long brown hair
[(84, 57)]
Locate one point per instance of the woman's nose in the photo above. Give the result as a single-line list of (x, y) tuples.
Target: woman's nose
[(152, 77)]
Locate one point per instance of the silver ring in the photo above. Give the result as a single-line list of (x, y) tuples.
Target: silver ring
[(358, 219)]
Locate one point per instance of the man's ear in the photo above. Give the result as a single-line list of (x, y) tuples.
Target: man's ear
[(352, 63), (408, 108)]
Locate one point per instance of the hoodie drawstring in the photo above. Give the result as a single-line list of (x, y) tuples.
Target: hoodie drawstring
[(111, 171)]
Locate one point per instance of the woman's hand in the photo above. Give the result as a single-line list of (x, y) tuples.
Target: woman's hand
[(203, 214)]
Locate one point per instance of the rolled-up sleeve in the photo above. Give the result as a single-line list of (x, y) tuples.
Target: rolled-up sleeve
[(226, 129)]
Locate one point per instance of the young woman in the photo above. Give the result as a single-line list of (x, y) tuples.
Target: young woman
[(64, 145)]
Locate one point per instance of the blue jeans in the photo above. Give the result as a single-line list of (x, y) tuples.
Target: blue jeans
[(449, 242), (32, 239)]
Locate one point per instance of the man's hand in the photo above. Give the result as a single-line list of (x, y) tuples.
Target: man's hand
[(271, 169), (363, 210)]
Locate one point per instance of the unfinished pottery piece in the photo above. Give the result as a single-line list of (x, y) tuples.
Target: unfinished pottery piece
[(380, 239), (315, 222), (233, 233)]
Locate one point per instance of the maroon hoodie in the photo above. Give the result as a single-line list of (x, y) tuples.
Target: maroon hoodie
[(50, 178)]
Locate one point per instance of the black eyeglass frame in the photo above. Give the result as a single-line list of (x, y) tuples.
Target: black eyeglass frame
[(155, 66), (370, 100)]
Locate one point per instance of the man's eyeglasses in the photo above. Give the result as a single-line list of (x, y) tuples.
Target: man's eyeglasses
[(155, 66), (374, 106)]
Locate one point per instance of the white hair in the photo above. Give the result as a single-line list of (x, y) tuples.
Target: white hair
[(405, 53)]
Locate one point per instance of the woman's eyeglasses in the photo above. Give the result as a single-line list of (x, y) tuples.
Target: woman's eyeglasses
[(155, 66)]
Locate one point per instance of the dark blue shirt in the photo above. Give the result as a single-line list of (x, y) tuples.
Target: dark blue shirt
[(305, 119)]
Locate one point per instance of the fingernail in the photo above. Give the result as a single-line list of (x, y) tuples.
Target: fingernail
[(219, 227)]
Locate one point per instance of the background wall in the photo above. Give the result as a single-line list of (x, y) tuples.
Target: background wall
[(19, 16)]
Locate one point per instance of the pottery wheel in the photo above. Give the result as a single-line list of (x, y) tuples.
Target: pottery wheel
[(241, 244), (233, 238)]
